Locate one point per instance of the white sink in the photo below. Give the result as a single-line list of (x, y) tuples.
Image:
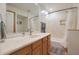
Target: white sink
[(34, 36)]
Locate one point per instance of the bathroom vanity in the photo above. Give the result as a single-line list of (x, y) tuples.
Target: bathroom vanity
[(38, 44)]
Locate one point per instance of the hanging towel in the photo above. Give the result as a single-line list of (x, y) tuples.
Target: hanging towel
[(2, 30)]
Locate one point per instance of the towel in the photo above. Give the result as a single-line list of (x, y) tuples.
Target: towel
[(3, 35)]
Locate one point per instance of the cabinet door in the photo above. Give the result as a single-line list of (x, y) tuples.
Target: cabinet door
[(37, 51), (49, 44), (45, 46), (37, 48), (23, 51)]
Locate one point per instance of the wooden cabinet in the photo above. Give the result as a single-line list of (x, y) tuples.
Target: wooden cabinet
[(37, 51), (49, 44), (23, 51), (40, 47), (45, 46), (37, 48)]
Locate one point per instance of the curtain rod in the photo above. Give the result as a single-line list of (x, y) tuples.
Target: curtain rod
[(62, 10)]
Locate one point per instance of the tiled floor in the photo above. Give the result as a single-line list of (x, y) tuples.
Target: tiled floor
[(58, 49)]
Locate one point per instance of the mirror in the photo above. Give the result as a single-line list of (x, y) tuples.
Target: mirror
[(19, 18), (22, 23)]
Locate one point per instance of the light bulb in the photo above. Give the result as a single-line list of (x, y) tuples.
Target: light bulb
[(44, 12)]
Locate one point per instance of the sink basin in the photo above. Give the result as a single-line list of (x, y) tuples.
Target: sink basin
[(34, 36)]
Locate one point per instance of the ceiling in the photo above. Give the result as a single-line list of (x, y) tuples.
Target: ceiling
[(29, 7), (55, 6), (34, 8)]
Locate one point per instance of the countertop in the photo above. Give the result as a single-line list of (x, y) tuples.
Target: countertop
[(13, 44)]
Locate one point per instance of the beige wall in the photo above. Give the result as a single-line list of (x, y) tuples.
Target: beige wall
[(54, 26), (53, 22)]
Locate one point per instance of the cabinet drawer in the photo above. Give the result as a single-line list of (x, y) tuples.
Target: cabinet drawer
[(36, 44), (23, 51)]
